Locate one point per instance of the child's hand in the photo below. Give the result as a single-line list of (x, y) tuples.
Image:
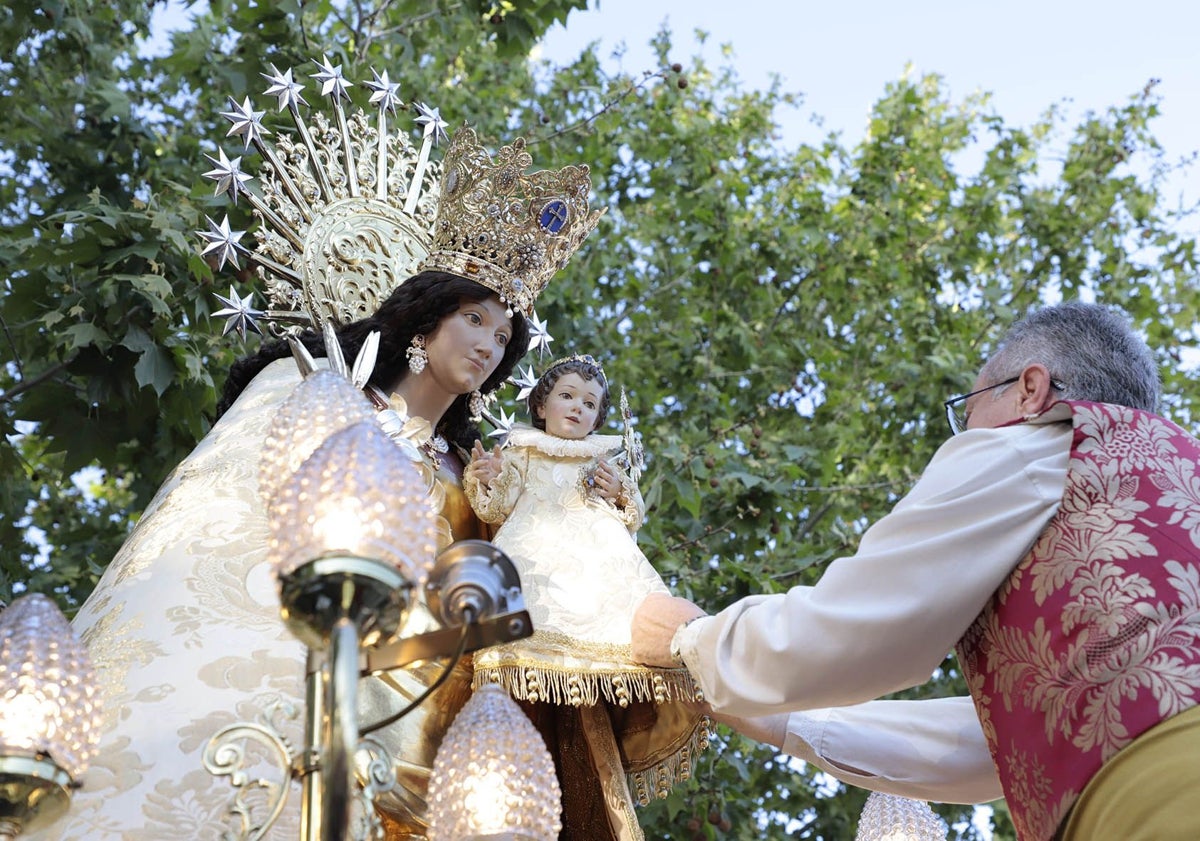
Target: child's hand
[(484, 466), (607, 482)]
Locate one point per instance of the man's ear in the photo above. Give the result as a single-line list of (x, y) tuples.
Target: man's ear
[(1036, 389)]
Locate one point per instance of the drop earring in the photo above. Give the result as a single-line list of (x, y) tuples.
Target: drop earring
[(417, 357), (475, 406)]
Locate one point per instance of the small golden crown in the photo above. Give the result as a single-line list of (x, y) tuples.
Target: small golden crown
[(576, 357), (504, 228)]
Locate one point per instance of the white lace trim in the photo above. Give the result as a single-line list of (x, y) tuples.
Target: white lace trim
[(589, 447)]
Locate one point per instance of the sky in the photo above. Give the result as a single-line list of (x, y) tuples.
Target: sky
[(840, 56)]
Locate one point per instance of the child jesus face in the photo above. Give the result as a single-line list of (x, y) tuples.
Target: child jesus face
[(571, 407)]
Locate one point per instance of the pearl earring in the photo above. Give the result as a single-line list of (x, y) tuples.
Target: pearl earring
[(417, 357)]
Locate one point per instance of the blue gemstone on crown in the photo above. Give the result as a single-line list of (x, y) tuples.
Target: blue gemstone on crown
[(553, 216)]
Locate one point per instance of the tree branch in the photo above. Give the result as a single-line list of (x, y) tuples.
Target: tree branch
[(25, 385), (11, 343), (611, 104)]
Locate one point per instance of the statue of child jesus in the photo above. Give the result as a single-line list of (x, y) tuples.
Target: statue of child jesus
[(569, 515)]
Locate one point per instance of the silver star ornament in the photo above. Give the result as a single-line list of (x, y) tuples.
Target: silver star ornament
[(284, 88), (228, 175), (384, 92), (430, 119), (503, 424), (238, 313), (524, 381), (539, 336), (222, 243), (246, 122), (333, 83)]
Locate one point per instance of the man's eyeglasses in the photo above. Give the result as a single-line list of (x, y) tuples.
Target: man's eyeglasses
[(956, 407)]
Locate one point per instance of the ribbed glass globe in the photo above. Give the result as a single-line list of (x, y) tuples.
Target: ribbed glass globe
[(493, 777), (886, 817), (49, 703), (356, 495), (322, 404)]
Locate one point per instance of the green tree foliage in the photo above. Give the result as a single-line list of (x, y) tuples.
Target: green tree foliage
[(786, 321)]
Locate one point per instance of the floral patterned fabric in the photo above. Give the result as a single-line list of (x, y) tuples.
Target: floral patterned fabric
[(186, 637), (1095, 637)]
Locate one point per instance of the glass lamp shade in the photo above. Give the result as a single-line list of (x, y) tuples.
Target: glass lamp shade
[(49, 704), (886, 817), (493, 777), (357, 496), (321, 405)]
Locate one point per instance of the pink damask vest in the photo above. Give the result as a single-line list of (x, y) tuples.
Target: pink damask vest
[(1095, 638)]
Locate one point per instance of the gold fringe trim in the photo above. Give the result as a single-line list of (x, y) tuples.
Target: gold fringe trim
[(659, 779), (563, 687), (551, 646)]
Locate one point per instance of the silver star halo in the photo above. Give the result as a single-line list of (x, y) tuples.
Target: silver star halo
[(333, 83), (430, 120), (223, 243), (246, 122), (524, 381), (228, 175), (539, 336), (503, 425)]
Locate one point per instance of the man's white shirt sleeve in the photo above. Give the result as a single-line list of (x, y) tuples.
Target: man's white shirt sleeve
[(883, 619)]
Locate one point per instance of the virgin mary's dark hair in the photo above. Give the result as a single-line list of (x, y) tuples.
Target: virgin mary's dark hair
[(416, 307)]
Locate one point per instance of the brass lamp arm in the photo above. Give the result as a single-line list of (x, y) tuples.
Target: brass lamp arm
[(420, 699)]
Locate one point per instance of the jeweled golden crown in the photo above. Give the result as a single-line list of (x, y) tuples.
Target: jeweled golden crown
[(505, 228)]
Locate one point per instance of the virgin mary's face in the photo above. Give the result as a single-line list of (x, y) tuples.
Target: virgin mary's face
[(468, 345)]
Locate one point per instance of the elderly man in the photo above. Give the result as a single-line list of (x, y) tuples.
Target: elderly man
[(1054, 543)]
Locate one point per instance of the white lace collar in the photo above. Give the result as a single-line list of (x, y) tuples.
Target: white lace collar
[(589, 447)]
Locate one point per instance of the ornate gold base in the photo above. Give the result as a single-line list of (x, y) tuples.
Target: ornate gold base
[(373, 595), (34, 792)]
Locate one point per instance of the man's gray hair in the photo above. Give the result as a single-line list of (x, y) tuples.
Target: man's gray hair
[(1090, 349)]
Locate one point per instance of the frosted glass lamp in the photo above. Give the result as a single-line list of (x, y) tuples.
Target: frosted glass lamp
[(49, 714), (357, 508), (493, 779), (886, 817), (322, 404)]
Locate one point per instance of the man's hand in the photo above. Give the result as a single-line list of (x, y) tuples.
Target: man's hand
[(654, 623)]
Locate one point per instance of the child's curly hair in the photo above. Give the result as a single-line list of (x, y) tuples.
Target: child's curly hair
[(587, 368)]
